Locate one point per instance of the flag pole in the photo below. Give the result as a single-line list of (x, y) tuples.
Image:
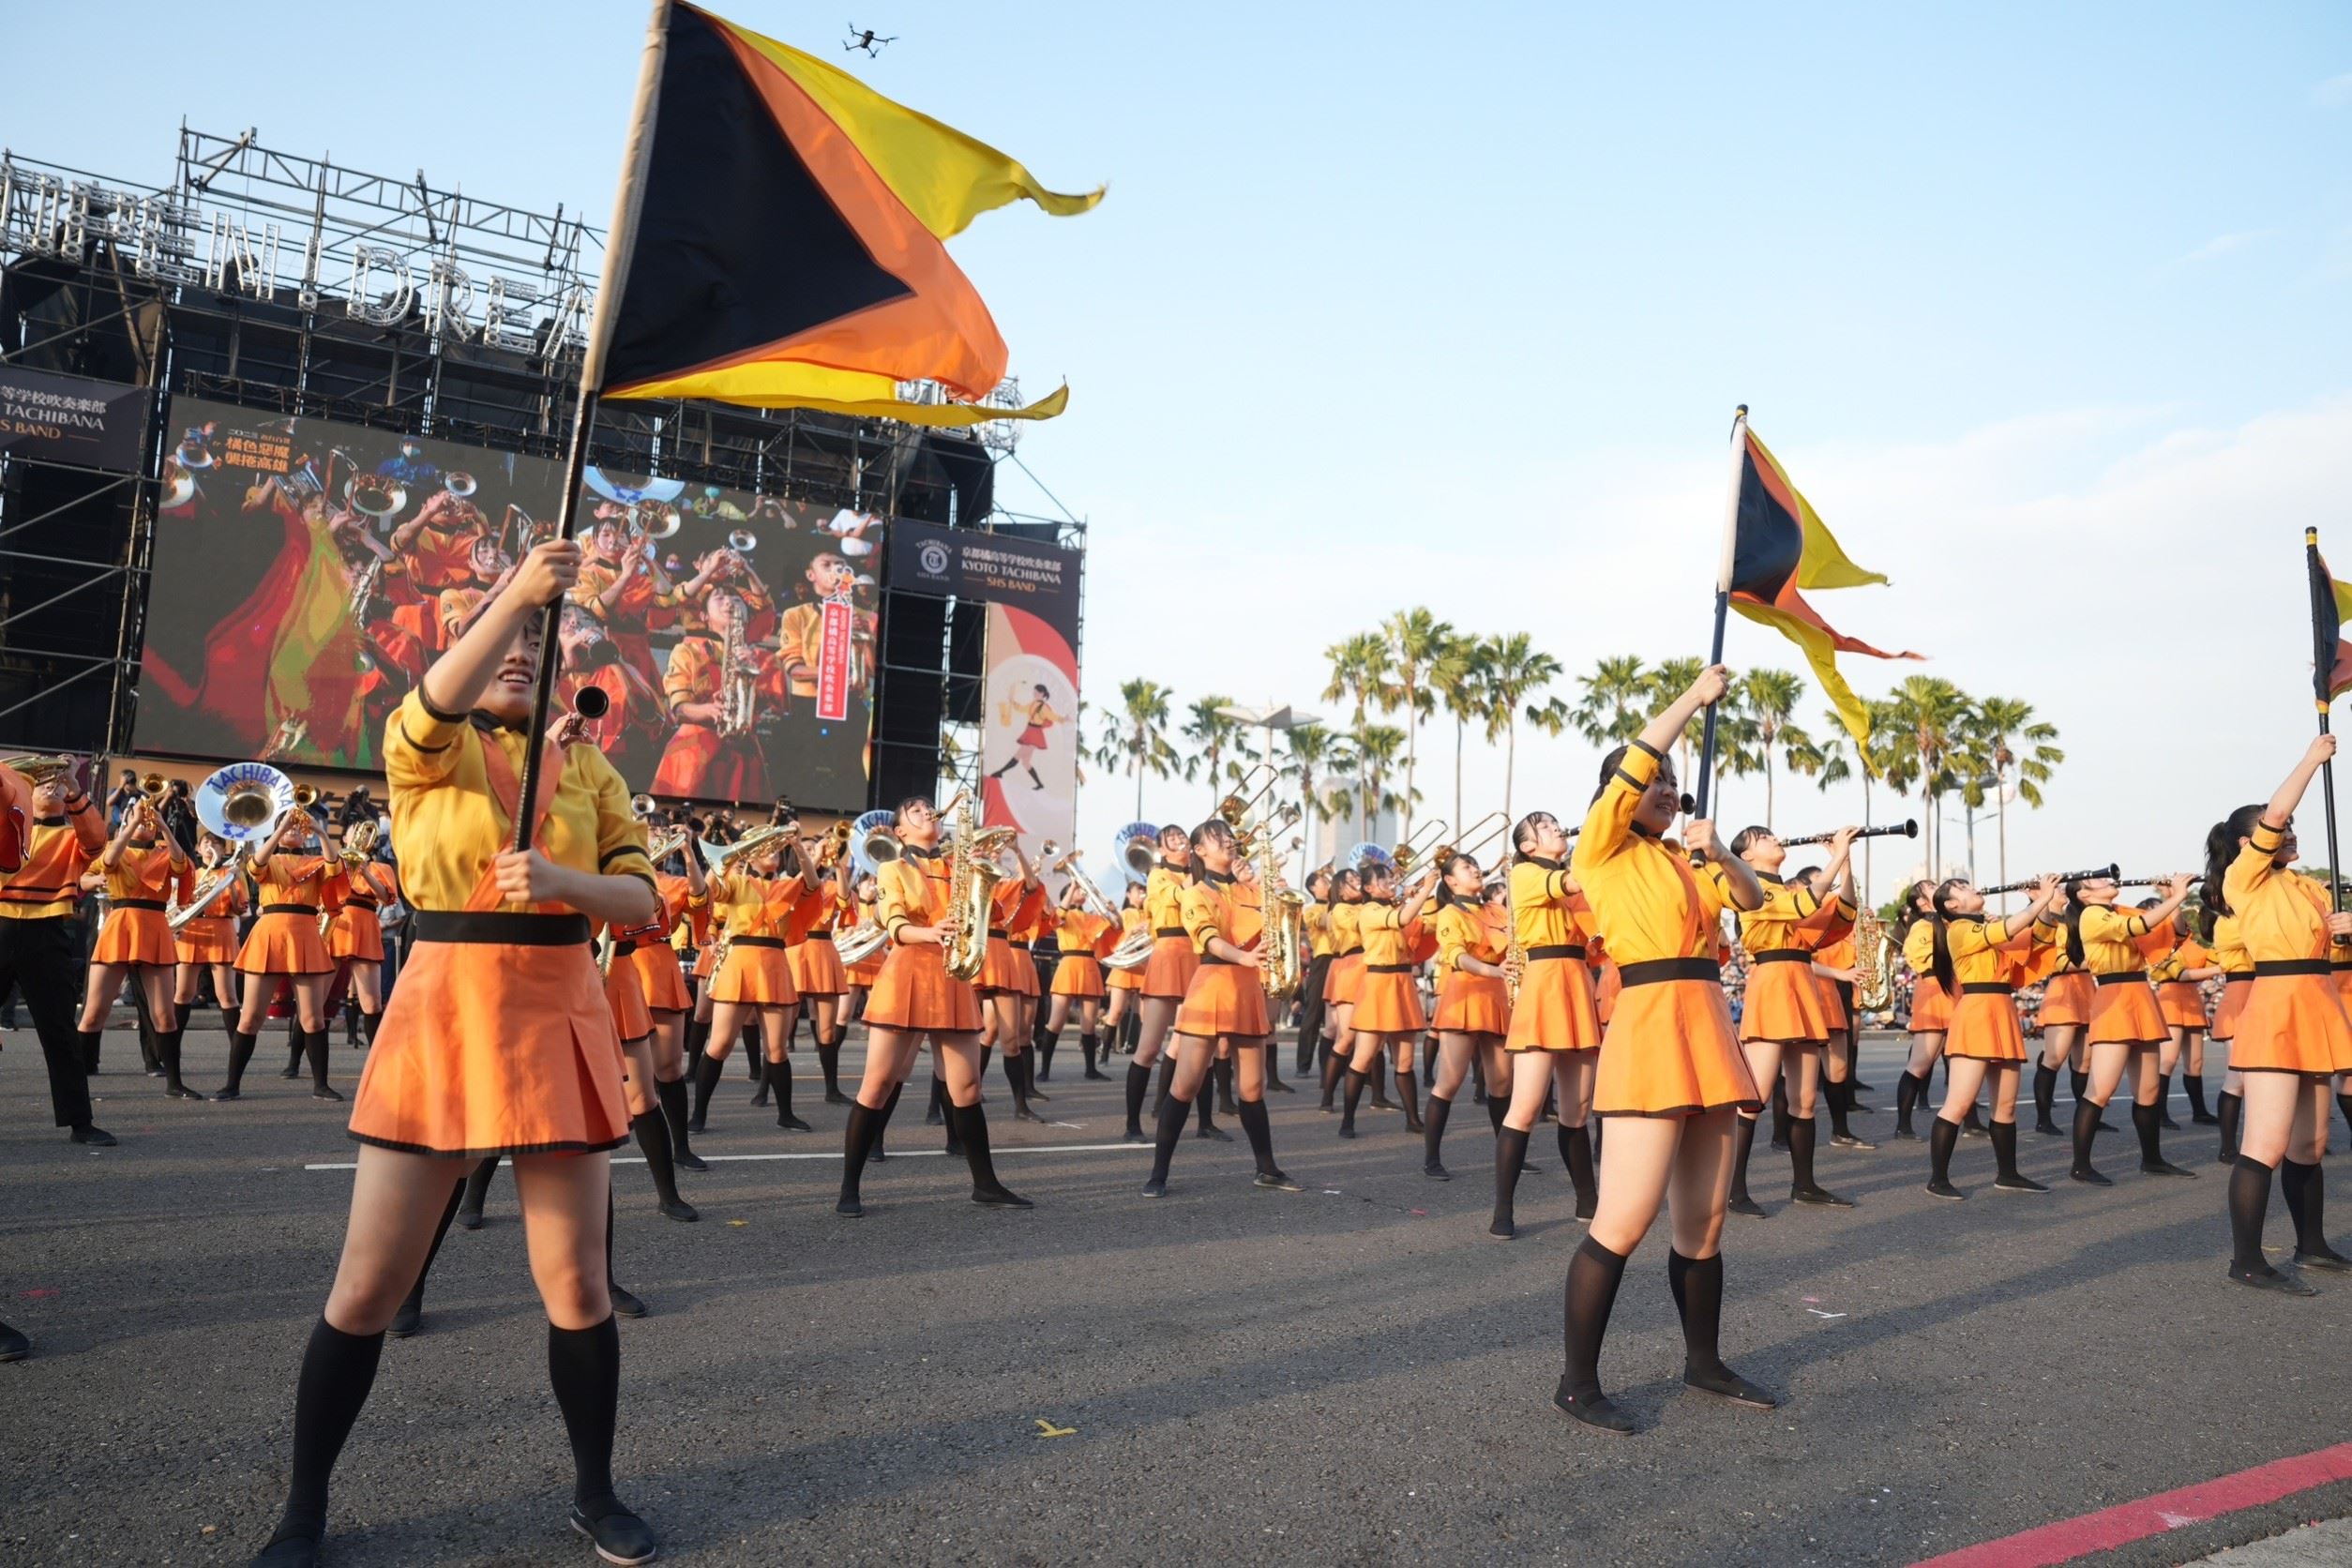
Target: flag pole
[(620, 239), (2323, 609), (1723, 600)]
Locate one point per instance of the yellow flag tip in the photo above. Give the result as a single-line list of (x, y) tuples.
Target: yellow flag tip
[(2310, 535)]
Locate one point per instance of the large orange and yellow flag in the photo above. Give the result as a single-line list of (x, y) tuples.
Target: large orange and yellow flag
[(779, 239)]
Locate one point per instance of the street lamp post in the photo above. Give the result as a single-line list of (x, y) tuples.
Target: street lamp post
[(1269, 718)]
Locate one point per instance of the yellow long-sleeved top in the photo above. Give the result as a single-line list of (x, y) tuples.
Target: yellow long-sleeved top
[(746, 906), (911, 890), (2228, 952), (1919, 947), (1207, 912), (1649, 903), (447, 826), (2282, 915), (295, 880), (1164, 900), (1388, 939), (1773, 926), (58, 850), (810, 909), (2113, 940), (1250, 913), (1345, 937), (2184, 954), (1547, 914), (143, 875), (1461, 930), (1317, 921), (1986, 952), (1130, 922), (1078, 931)]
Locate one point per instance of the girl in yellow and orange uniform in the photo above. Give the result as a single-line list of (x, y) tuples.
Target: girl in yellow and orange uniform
[(1931, 1009), (1672, 1078), (140, 865), (1168, 973), (498, 1040), (210, 940), (1473, 1011), (1314, 922), (1387, 1017), (1978, 962), (818, 970), (2067, 994), (1081, 938), (1344, 978), (1554, 1038), (355, 937), (2127, 1029), (2292, 1033), (2178, 972), (753, 901), (285, 944), (1008, 976), (1124, 986)]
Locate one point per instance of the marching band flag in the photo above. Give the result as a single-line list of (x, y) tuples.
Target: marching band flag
[(2331, 607), (777, 237), (1779, 544)]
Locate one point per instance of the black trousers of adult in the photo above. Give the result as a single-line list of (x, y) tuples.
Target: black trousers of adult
[(41, 958), (1311, 1007)]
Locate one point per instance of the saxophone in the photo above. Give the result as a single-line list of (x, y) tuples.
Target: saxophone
[(1285, 915), (1874, 963), (972, 879), (1513, 956), (738, 692)]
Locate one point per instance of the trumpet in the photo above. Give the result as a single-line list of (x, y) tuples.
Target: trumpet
[(359, 844), (459, 483), (833, 844), (40, 768), (654, 519), (154, 785), (1908, 828), (643, 806), (743, 541), (2096, 873), (374, 496)]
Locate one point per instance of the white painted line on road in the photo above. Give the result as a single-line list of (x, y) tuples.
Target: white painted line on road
[(834, 1154)]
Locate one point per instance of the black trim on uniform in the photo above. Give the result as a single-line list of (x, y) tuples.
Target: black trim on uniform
[(419, 744), (757, 942), (611, 856), (1388, 968), (1648, 750), (1651, 972), (563, 1148), (425, 702), (2293, 966), (1986, 988), (1168, 930), (1554, 950), (1781, 956), (2237, 976), (2126, 976), (49, 822), (137, 904), (1000, 933), (1628, 779), (503, 929), (289, 909)]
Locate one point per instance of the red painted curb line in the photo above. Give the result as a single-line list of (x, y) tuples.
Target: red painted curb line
[(2135, 1521)]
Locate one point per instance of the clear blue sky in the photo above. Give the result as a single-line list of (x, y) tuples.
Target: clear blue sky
[(2047, 307)]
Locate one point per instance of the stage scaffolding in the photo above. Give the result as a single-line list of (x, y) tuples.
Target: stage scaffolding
[(295, 284)]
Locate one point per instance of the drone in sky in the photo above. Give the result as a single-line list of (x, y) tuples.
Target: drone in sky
[(864, 38)]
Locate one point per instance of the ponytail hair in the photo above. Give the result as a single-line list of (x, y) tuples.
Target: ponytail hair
[(1912, 914), (2074, 920), (1214, 828), (1445, 890), (1523, 834), (1942, 963), (2221, 848)]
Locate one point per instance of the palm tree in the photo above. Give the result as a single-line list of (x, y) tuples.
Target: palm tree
[(1212, 732), (1769, 700), (1379, 749), (1517, 673), (1616, 701), (1136, 735), (1316, 754), (1929, 715), (1417, 640), (1668, 681), (1359, 674), (2013, 740), (1459, 677)]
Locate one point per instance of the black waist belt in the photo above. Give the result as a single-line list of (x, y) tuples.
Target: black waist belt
[(757, 942), (299, 909), (1652, 971), (1554, 950), (1781, 956), (2129, 975), (361, 904), (621, 949), (819, 936), (1156, 930), (1007, 936), (1388, 968), (139, 903), (2237, 976), (1348, 952), (2292, 966), (1987, 987), (496, 928), (1213, 959)]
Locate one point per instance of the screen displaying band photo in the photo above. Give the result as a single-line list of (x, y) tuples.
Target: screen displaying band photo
[(307, 573)]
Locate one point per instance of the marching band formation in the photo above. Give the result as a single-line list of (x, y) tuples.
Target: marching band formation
[(562, 1002)]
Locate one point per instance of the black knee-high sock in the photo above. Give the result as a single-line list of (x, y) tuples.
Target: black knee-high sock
[(2195, 1084), (2044, 1093), (1780, 1111), (973, 1131), (1498, 1106), (1409, 1095), (2148, 1121), (338, 1370), (168, 1047), (2305, 1187), (1593, 1275), (780, 1081), (150, 1051), (2227, 1110), (2163, 1097), (1016, 1078), (1942, 1137), (1204, 1100), (829, 1061), (2343, 1103), (1804, 1132), (2086, 1128), (1252, 1114), (1091, 1046), (583, 1366), (1840, 1098), (416, 1301), (314, 1046), (240, 1052), (857, 1144), (1576, 1154), (1698, 1287), (652, 1137), (2249, 1201), (2078, 1084), (368, 1024), (1174, 1114), (1356, 1082), (1333, 1066), (1743, 1140), (2004, 1150), (1164, 1075), (1042, 1051), (672, 1096), (478, 1182), (1223, 1072), (1138, 1086), (1433, 1129), (707, 1071), (1509, 1153), (1906, 1089)]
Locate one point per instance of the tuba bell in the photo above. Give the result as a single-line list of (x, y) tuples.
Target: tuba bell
[(243, 803)]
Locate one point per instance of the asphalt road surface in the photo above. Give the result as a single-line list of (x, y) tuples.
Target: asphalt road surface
[(1353, 1374)]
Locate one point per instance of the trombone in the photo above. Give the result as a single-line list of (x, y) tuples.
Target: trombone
[(1251, 788), (1425, 837), (1473, 839)]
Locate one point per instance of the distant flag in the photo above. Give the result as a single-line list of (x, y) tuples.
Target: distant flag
[(2331, 607), (1778, 545), (778, 239)]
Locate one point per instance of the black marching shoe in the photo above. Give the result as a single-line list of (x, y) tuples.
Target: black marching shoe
[(407, 1320), (2269, 1278), (619, 1536), (623, 1303), (2018, 1184), (1742, 1204), (2327, 1260), (1155, 1187), (1945, 1190), (292, 1547), (1275, 1181), (1435, 1170), (1595, 1410), (2164, 1168), (1848, 1140), (13, 1344), (1819, 1198), (90, 1136), (680, 1211), (1723, 1383)]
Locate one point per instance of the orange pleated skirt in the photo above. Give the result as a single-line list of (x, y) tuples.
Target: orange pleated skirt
[(1984, 1028), (1556, 1010), (705, 960), (1171, 970), (1670, 1051), (356, 933), (1123, 979), (207, 940), (1605, 993), (756, 975), (1931, 1009), (863, 972), (290, 944), (2291, 1023), (135, 936), (1388, 1003), (659, 977), (1078, 974), (2066, 999), (2235, 989), (2341, 975), (2182, 1003), (1344, 979), (625, 996), (914, 991), (1832, 1003), (1001, 968), (1784, 1005), (817, 968), (2126, 1013), (1474, 1004), (491, 1049), (1224, 999)]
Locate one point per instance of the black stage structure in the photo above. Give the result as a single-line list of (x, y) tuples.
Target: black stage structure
[(298, 286)]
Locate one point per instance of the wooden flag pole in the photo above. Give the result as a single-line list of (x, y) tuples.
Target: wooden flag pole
[(2323, 609), (1723, 602)]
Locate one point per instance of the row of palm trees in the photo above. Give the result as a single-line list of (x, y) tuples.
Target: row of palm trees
[(1928, 737)]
